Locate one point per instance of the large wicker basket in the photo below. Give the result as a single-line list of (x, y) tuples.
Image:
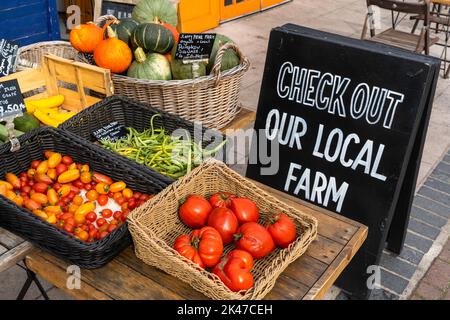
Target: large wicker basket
[(155, 226), (31, 56)]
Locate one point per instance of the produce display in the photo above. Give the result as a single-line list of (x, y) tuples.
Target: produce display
[(68, 195), (222, 220), (149, 39), (171, 156)]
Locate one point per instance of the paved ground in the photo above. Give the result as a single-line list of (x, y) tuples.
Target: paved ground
[(429, 227)]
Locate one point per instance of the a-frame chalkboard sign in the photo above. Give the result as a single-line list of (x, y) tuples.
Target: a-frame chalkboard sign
[(349, 119)]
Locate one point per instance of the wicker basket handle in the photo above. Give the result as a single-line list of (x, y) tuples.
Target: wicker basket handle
[(218, 62), (106, 17)]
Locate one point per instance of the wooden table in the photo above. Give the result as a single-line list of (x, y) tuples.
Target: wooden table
[(126, 277)]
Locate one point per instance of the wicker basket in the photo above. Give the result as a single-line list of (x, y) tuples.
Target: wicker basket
[(31, 56), (155, 226), (54, 240), (137, 116)]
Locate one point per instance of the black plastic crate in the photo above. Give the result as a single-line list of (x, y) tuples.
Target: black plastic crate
[(48, 237), (137, 116)]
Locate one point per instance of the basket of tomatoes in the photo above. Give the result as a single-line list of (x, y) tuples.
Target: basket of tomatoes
[(69, 197), (220, 233)]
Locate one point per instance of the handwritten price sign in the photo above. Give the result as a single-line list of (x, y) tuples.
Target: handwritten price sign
[(11, 99)]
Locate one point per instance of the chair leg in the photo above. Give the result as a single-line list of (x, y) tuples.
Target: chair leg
[(416, 23), (31, 277)]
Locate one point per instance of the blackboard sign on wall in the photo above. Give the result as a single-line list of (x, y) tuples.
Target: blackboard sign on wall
[(8, 57), (195, 46), (346, 116)]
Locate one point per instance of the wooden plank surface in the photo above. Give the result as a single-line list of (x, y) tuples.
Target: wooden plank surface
[(309, 277)]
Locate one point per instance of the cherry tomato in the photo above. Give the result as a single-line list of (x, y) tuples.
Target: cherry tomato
[(107, 213), (35, 164), (67, 160), (13, 180), (245, 210), (102, 188), (112, 227), (26, 189), (91, 216), (124, 206), (80, 219), (40, 187), (144, 197), (101, 178), (78, 183), (48, 153), (120, 201), (110, 194), (71, 195), (42, 177), (93, 234), (117, 186), (78, 200), (127, 193), (69, 227), (54, 159), (132, 204), (86, 177), (69, 176), (137, 195), (100, 222), (40, 198), (31, 173), (43, 167), (102, 199), (117, 195), (117, 215), (92, 195), (85, 169), (83, 235), (63, 191), (194, 211), (66, 216), (88, 187), (60, 168), (103, 235)]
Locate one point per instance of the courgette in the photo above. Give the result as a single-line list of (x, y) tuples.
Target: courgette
[(4, 133)]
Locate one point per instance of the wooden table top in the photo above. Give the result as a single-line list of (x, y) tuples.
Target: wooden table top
[(126, 277)]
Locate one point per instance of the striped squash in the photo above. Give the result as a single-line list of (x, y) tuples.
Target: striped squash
[(152, 37), (123, 28)]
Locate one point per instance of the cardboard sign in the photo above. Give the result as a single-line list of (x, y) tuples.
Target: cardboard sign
[(11, 100), (8, 57), (119, 10), (113, 132), (195, 46), (346, 116)]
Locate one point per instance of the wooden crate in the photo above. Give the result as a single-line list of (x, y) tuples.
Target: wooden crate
[(81, 84)]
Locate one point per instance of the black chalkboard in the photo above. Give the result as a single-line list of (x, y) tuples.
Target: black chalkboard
[(195, 46), (351, 117), (119, 10), (113, 131), (11, 99), (8, 57)]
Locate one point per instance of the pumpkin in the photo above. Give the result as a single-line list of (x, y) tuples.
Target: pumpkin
[(152, 37), (86, 37), (113, 53), (175, 33), (155, 11), (153, 66), (229, 60), (123, 28)]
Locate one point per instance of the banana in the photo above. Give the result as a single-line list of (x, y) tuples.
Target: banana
[(61, 116), (46, 119), (45, 103)]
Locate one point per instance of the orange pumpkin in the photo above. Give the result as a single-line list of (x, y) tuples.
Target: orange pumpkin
[(176, 34), (113, 54), (86, 37)]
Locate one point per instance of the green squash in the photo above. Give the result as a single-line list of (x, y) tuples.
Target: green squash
[(182, 71), (155, 11), (26, 122), (229, 60), (123, 28), (152, 37), (153, 66)]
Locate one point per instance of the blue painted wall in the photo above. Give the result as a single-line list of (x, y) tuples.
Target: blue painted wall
[(29, 21)]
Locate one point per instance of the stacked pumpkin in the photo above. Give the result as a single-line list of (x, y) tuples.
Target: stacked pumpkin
[(144, 46)]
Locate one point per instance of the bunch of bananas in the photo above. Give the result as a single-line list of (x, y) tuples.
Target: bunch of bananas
[(46, 110)]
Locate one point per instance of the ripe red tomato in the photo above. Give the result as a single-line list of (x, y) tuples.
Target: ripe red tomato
[(221, 199), (282, 229), (112, 227), (255, 239), (145, 197), (103, 234), (245, 210), (93, 234), (26, 189), (69, 227), (225, 222), (132, 203), (91, 216), (194, 211), (204, 247), (40, 187), (102, 199), (100, 222), (78, 184), (234, 270), (67, 160), (35, 164), (117, 215), (60, 168), (107, 213)]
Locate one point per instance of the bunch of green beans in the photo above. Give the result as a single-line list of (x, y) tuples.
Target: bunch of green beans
[(171, 156)]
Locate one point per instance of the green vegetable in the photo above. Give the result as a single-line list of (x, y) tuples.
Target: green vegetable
[(123, 28), (152, 37), (153, 66), (173, 156), (26, 122), (4, 133), (155, 11), (229, 60)]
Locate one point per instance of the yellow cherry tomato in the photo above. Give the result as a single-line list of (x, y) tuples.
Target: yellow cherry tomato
[(42, 167), (77, 200), (52, 197), (40, 198), (102, 188), (69, 176), (50, 210), (54, 160), (117, 186), (73, 208), (8, 185), (64, 191), (92, 195), (85, 208), (52, 219), (40, 213), (85, 177), (80, 219), (51, 173)]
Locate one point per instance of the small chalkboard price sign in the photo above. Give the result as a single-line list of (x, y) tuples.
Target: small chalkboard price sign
[(113, 132), (11, 100), (344, 122), (195, 46), (8, 57)]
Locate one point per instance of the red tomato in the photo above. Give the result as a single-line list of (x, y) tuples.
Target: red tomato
[(194, 211), (102, 199), (120, 201), (225, 222), (67, 160), (204, 247), (117, 215), (255, 239), (78, 184), (98, 178), (88, 187), (60, 168), (107, 213), (137, 195), (91, 216), (282, 229), (69, 227), (234, 270), (93, 234), (132, 204), (103, 234), (145, 197), (100, 222), (40, 187), (112, 227), (26, 189), (245, 210), (35, 164), (221, 199)]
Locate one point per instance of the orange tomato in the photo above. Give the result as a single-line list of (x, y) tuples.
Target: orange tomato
[(42, 177), (8, 185), (42, 167), (83, 235), (52, 197), (30, 204), (69, 176), (85, 208), (64, 191), (127, 193), (85, 168), (117, 186), (40, 198), (48, 153), (77, 200), (52, 219), (31, 173), (73, 208), (19, 200), (40, 213), (11, 195), (92, 195), (99, 178), (13, 180), (51, 173), (85, 177), (72, 166), (53, 210), (54, 160), (80, 219), (102, 188)]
